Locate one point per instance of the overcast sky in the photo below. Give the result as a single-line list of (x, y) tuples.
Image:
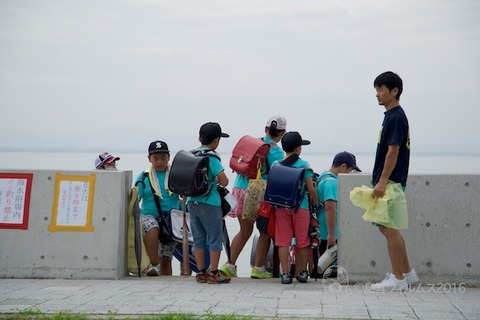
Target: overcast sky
[(118, 74)]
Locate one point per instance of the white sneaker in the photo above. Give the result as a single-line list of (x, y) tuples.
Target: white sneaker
[(411, 276), (390, 283), (152, 270)]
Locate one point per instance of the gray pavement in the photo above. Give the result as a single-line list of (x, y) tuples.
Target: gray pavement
[(133, 296)]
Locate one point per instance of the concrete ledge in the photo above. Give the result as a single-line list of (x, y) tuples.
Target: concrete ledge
[(442, 239), (39, 253), (443, 235)]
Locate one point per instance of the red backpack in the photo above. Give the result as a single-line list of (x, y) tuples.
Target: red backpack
[(248, 155)]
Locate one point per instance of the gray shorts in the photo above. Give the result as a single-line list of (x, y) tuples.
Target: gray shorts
[(149, 222)]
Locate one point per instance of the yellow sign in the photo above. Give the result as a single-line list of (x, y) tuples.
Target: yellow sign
[(73, 203)]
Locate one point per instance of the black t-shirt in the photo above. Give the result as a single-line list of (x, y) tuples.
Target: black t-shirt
[(395, 130)]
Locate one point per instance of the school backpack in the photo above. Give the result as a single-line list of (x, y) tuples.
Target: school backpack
[(284, 186), (248, 155), (189, 173)]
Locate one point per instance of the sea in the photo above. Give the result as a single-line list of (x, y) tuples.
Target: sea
[(427, 163)]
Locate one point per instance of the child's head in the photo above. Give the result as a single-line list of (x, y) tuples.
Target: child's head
[(390, 80), (209, 132), (276, 127), (158, 155), (347, 159), (293, 140), (106, 161)]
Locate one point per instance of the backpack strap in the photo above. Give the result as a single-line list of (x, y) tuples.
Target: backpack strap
[(206, 153), (290, 160), (267, 165), (156, 198)]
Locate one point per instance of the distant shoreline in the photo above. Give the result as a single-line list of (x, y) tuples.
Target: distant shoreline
[(119, 151)]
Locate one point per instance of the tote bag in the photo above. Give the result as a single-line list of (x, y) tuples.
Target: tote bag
[(255, 194)]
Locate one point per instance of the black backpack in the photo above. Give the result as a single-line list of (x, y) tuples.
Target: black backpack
[(189, 173)]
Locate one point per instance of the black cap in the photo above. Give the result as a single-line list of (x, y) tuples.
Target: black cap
[(212, 130), (348, 158), (157, 147), (292, 140)]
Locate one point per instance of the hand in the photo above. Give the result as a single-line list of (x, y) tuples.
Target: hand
[(379, 190), (331, 241)]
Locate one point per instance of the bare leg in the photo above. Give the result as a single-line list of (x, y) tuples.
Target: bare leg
[(283, 253), (214, 258), (301, 259), (200, 258), (151, 245), (397, 251), (263, 245), (240, 239), (165, 266)]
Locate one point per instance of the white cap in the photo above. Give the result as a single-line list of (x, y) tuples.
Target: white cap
[(281, 122)]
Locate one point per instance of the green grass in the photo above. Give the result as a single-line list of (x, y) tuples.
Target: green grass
[(35, 314)]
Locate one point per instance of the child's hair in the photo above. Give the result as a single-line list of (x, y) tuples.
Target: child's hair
[(206, 140), (273, 131), (390, 80)]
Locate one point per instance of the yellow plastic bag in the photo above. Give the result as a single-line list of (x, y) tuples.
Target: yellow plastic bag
[(255, 194), (389, 211)]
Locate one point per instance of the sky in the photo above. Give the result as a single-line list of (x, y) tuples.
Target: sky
[(117, 74)]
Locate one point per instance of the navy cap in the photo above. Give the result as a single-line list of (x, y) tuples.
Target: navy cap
[(348, 158)]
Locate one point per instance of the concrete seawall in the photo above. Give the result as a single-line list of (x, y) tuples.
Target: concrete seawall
[(45, 250), (443, 238)]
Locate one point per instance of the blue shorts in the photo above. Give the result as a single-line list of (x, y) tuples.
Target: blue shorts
[(206, 222)]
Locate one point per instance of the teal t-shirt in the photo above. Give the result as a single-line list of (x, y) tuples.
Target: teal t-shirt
[(275, 153), (327, 189), (169, 200), (214, 168)]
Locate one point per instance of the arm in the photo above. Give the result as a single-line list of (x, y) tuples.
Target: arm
[(222, 179), (390, 162), (330, 217)]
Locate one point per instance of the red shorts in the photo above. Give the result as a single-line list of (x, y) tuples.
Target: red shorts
[(289, 224)]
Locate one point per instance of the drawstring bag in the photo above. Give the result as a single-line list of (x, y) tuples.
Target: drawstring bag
[(255, 194)]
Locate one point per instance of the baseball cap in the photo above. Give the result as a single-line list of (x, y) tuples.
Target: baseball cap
[(292, 140), (212, 130), (348, 158), (281, 122), (103, 158), (157, 146)]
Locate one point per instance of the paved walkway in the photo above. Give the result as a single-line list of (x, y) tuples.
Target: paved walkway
[(243, 296)]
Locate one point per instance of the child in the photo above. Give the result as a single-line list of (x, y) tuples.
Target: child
[(106, 161), (206, 216), (152, 184), (291, 223), (274, 130)]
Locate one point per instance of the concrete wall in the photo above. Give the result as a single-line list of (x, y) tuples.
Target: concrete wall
[(39, 253), (443, 238)]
